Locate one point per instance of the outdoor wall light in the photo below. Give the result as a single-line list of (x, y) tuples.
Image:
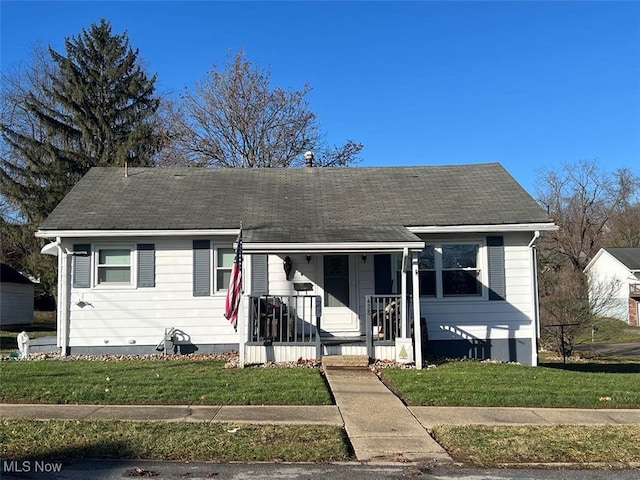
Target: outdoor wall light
[(364, 258), (308, 257), (287, 265)]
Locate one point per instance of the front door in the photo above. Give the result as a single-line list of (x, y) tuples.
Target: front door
[(339, 315)]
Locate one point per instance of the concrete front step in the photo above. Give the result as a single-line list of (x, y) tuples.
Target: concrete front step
[(345, 361)]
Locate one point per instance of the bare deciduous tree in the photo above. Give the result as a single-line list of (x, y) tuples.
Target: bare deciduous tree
[(625, 228), (582, 199), (234, 118), (590, 206)]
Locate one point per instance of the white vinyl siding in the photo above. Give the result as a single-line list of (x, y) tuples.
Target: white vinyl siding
[(122, 316), (479, 319)]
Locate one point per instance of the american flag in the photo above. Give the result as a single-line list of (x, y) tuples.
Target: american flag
[(234, 292)]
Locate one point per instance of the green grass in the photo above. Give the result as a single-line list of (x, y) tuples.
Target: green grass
[(491, 446), (175, 381), (64, 439), (611, 330), (202, 381), (486, 446), (469, 383)]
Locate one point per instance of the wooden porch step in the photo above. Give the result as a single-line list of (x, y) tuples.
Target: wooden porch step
[(331, 340), (345, 361)]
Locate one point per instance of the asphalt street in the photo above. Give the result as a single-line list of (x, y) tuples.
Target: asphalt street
[(120, 469)]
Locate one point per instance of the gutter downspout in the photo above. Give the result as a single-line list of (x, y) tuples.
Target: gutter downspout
[(62, 305), (535, 330)]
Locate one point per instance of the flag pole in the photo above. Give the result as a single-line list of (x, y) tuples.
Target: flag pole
[(241, 327)]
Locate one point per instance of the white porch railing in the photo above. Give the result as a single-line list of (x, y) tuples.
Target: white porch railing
[(278, 321)]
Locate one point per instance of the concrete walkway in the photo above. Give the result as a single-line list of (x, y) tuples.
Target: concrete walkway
[(380, 427)]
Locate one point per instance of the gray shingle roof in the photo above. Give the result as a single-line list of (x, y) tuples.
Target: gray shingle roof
[(628, 256), (296, 204)]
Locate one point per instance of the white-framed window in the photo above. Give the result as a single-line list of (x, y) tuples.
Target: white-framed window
[(460, 271), (114, 265), (223, 266), (450, 270)]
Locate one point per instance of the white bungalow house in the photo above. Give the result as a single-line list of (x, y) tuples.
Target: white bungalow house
[(393, 262), (613, 275)]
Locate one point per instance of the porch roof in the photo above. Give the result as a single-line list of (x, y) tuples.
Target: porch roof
[(327, 238)]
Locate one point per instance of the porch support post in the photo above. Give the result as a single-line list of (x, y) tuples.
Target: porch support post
[(403, 292), (417, 327), (318, 311)]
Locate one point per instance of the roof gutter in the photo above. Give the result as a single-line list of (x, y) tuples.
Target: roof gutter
[(69, 233), (346, 247), (508, 227), (134, 233)]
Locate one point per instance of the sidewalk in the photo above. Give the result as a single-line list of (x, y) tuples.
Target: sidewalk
[(282, 414), (380, 427)]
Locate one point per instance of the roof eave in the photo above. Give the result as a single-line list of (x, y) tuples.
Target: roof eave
[(508, 227), (331, 247), (134, 233)]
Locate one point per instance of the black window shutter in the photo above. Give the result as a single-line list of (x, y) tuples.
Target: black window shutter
[(259, 275), (146, 265), (382, 274), (497, 284), (201, 268), (82, 265)]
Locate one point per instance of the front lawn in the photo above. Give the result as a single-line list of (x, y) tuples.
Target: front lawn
[(470, 383), (178, 380)]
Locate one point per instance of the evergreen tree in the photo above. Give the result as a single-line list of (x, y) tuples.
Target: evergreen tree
[(95, 107)]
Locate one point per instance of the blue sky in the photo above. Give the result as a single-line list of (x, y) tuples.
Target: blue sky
[(526, 84)]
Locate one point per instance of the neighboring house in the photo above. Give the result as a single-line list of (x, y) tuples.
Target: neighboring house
[(356, 254), (16, 297), (614, 283)]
